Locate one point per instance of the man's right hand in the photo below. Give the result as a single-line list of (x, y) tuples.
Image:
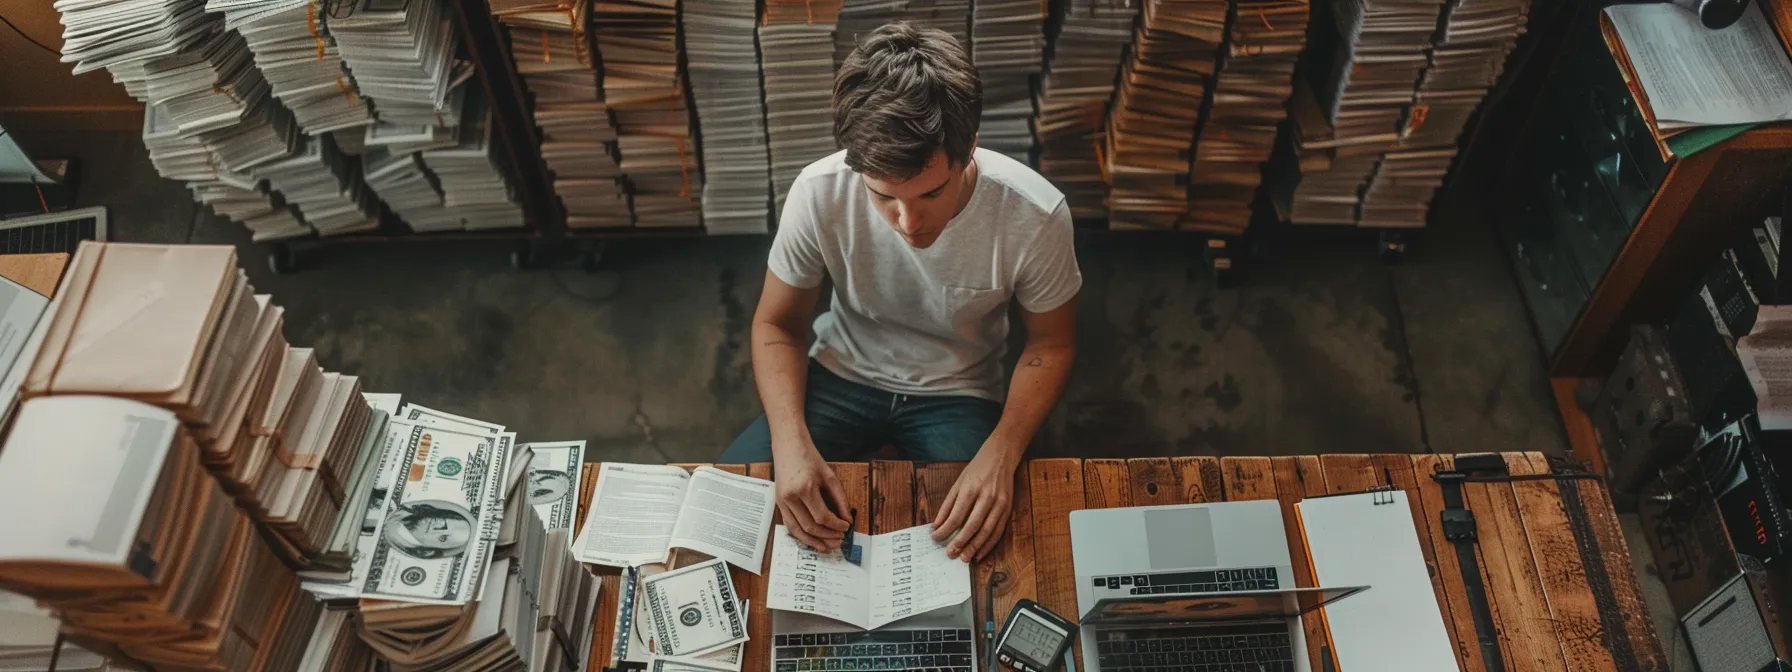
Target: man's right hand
[(809, 495)]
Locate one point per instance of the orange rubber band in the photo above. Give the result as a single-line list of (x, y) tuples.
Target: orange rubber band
[(544, 46), (809, 10), (684, 168), (311, 22), (348, 92), (1265, 18), (1419, 112)]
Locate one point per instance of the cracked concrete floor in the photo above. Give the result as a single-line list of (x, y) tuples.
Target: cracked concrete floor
[(1321, 348)]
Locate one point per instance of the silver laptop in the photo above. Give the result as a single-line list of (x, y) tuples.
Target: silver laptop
[(939, 640), (1191, 586)]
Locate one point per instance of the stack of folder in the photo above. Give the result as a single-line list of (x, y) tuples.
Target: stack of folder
[(798, 70), (134, 546), (1073, 96), (550, 44), (637, 43), (1250, 100), (1151, 122), (180, 327)]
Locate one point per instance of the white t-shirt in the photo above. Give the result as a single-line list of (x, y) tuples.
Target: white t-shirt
[(931, 321)]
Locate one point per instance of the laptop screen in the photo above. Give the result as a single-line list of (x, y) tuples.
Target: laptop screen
[(1238, 606)]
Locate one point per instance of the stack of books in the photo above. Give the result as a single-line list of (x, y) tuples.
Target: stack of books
[(1151, 122), (1250, 99), (637, 42), (1008, 47), (550, 44), (797, 46), (1072, 99), (721, 46)]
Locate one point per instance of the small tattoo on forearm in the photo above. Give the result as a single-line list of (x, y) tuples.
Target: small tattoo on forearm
[(790, 344), (1036, 361)]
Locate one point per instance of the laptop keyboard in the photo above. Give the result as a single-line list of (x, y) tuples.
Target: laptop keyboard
[(1220, 648), (935, 650), (1214, 581)]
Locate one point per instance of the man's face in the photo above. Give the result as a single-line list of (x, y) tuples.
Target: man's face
[(920, 207), (444, 534)]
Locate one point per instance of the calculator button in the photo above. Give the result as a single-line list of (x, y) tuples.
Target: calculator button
[(1101, 582)]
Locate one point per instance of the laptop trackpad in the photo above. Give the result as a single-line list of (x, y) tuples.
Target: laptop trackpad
[(1180, 538)]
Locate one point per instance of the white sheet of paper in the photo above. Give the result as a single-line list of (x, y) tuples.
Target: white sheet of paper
[(631, 515), (904, 573), (727, 516), (1695, 76), (1766, 354)]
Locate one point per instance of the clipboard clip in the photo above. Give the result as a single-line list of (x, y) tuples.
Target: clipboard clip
[(1382, 495)]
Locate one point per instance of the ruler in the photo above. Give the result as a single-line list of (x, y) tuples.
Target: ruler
[(625, 617)]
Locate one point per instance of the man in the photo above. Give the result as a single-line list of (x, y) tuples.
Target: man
[(926, 239)]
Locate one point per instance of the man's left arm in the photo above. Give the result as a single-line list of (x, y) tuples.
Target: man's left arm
[(976, 510)]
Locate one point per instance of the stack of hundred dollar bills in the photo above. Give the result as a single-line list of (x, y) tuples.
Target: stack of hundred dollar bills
[(463, 560)]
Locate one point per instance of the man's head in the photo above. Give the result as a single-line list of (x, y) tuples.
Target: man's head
[(907, 103)]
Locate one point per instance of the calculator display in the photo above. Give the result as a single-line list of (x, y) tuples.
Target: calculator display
[(1034, 639)]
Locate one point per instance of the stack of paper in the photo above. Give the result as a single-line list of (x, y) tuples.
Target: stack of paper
[(101, 35), (637, 42), (798, 66), (1250, 100), (1073, 99), (143, 549), (237, 197), (402, 55), (335, 644), (952, 16), (1008, 48), (803, 11), (720, 43), (409, 189), (324, 186), (299, 59), (857, 19), (176, 156), (473, 185), (207, 88), (550, 44), (1151, 123)]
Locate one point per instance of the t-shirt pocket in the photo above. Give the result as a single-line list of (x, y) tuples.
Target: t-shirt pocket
[(968, 310)]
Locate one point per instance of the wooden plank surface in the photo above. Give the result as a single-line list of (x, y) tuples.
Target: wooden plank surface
[(892, 496), (1106, 484), (1200, 478), (759, 615), (1297, 478), (1153, 481), (1056, 488), (1533, 562), (38, 272)]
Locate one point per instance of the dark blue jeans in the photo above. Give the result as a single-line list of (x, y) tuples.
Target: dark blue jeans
[(849, 421)]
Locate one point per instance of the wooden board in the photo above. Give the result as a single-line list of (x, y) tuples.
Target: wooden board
[(1248, 478), (855, 482), (1297, 478), (1200, 478), (892, 496), (1566, 592), (1461, 619), (1528, 640), (1056, 488), (932, 482), (1153, 481), (1105, 484), (37, 272)]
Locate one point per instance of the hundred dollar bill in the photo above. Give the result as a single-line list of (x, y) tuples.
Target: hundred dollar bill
[(441, 517), (435, 418), (553, 485), (375, 511), (694, 610)]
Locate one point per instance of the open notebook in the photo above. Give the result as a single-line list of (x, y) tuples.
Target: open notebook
[(1369, 539)]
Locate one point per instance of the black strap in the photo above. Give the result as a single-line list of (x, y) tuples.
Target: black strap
[(1459, 528)]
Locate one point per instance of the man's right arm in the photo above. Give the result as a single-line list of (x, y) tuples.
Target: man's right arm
[(808, 493)]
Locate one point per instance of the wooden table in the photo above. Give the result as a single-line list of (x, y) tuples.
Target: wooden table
[(1535, 560)]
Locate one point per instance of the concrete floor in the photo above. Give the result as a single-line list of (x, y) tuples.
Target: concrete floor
[(1320, 349)]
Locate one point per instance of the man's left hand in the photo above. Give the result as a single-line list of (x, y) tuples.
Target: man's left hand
[(976, 510)]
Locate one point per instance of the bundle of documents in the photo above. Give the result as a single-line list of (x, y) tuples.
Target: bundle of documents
[(1249, 102), (209, 87), (324, 186), (550, 45), (1686, 76), (236, 197), (798, 67), (409, 189), (803, 11), (1151, 123), (264, 135), (1465, 63), (472, 182), (146, 552), (952, 16), (28, 635), (720, 49), (1008, 48), (402, 55), (637, 42), (175, 155), (857, 19), (1073, 99), (299, 59), (105, 34)]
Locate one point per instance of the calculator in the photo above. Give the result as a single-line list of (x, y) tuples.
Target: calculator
[(1033, 639)]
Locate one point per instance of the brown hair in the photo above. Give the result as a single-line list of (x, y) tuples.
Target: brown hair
[(903, 92)]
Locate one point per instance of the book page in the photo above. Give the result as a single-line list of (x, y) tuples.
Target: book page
[(824, 584), (726, 516), (632, 514), (911, 574), (1766, 354), (1693, 75)]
